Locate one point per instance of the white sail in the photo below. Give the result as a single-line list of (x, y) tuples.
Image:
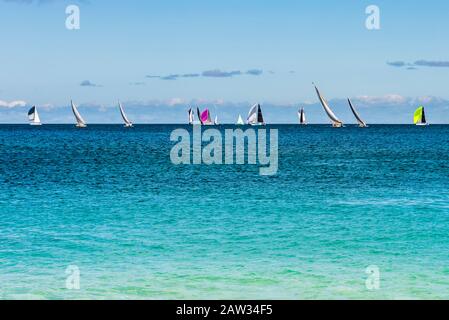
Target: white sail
[(125, 118), (329, 112), (362, 123), (209, 118), (191, 116), (80, 123), (302, 116), (216, 121), (255, 116), (198, 113), (33, 116), (252, 115), (240, 121)]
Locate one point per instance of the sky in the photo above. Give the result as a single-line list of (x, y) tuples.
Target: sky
[(160, 57)]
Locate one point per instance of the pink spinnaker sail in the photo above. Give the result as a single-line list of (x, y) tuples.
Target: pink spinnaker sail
[(205, 116)]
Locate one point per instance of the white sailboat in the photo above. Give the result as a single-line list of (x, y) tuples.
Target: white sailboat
[(302, 117), (33, 116), (336, 123), (216, 121), (128, 124), (80, 123), (240, 121), (191, 116), (255, 116), (192, 120), (362, 124)]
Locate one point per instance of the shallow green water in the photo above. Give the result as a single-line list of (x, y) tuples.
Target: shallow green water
[(109, 201)]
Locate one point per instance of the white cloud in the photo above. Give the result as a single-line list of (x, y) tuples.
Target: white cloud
[(428, 100), (12, 104), (175, 101), (387, 99)]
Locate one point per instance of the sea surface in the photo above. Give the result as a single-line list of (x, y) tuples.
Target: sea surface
[(109, 201)]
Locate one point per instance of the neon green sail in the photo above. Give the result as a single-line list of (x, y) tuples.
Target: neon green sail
[(418, 118)]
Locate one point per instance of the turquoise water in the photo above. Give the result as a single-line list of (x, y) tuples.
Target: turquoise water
[(109, 201)]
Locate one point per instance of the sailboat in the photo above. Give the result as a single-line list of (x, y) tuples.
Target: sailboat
[(302, 117), (198, 113), (206, 119), (240, 121), (336, 123), (255, 116), (191, 116), (362, 124), (128, 124), (33, 116), (420, 117), (216, 121), (80, 123)]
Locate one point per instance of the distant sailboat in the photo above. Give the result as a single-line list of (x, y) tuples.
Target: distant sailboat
[(255, 116), (33, 116), (216, 121), (420, 117), (336, 123), (199, 116), (206, 119), (80, 123), (128, 124), (240, 121), (302, 117), (191, 116), (362, 124)]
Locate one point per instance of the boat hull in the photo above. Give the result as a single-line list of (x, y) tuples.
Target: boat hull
[(35, 124)]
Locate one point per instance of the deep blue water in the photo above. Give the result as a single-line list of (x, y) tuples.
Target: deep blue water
[(108, 200)]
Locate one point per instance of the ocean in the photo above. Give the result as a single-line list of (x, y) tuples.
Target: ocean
[(108, 201)]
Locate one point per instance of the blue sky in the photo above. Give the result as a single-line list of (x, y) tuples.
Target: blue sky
[(160, 55)]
